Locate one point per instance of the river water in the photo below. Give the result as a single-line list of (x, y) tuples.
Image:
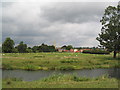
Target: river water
[(37, 75)]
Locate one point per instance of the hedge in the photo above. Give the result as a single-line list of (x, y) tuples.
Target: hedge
[(96, 52)]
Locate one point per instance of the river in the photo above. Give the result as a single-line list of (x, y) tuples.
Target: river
[(37, 75)]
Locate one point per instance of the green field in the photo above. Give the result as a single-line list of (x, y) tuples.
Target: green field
[(57, 61), (63, 81)]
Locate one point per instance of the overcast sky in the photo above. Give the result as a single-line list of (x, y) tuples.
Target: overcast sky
[(62, 23)]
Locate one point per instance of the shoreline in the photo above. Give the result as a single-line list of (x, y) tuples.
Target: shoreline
[(64, 70)]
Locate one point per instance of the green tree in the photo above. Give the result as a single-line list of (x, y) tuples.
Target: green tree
[(64, 47), (29, 50), (69, 47), (52, 48), (110, 32), (43, 48), (35, 49), (8, 45), (46, 48), (22, 47)]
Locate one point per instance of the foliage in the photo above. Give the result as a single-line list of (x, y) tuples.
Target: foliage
[(46, 48), (29, 50), (35, 49), (110, 32), (86, 51), (30, 67), (66, 68), (22, 47), (8, 45), (96, 52), (67, 47)]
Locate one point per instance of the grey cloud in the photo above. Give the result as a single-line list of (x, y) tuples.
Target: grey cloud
[(65, 23), (74, 12)]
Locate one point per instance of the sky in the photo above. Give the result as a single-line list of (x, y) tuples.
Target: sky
[(53, 23)]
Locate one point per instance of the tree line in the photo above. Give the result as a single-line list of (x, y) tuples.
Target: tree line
[(8, 46)]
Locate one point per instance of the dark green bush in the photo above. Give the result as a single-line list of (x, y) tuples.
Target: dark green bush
[(86, 51), (96, 52), (66, 68), (68, 61), (99, 52), (30, 67)]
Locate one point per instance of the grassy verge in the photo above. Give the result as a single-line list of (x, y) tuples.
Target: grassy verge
[(57, 61), (63, 81)]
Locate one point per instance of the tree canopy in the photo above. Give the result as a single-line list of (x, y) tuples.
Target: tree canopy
[(110, 31), (22, 47), (8, 45)]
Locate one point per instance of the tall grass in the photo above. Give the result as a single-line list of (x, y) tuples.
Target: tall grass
[(55, 61), (63, 81)]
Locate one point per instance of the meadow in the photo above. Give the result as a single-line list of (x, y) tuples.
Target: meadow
[(57, 61)]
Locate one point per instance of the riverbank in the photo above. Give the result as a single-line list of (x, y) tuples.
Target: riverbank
[(57, 61), (62, 81)]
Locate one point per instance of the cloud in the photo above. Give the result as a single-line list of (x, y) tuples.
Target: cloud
[(64, 23)]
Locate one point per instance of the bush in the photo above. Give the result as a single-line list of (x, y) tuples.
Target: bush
[(99, 52), (30, 67), (86, 51), (75, 78), (96, 52), (68, 61), (66, 68)]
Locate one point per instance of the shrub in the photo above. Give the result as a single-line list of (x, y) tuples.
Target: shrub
[(31, 67), (96, 52), (66, 68), (86, 51), (99, 52), (68, 61)]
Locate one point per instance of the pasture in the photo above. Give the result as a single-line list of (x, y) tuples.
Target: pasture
[(57, 61)]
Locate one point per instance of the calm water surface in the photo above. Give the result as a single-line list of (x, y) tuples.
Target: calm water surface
[(36, 75)]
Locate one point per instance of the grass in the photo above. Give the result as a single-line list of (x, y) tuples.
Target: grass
[(57, 61), (62, 81)]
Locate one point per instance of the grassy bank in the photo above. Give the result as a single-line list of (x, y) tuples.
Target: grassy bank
[(57, 61), (63, 81)]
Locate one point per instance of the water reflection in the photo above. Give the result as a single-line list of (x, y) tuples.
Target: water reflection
[(36, 75)]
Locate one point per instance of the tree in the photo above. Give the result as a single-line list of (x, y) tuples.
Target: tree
[(8, 45), (110, 31), (29, 50), (52, 48), (43, 48), (64, 47), (35, 49), (46, 48), (22, 47), (69, 47)]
